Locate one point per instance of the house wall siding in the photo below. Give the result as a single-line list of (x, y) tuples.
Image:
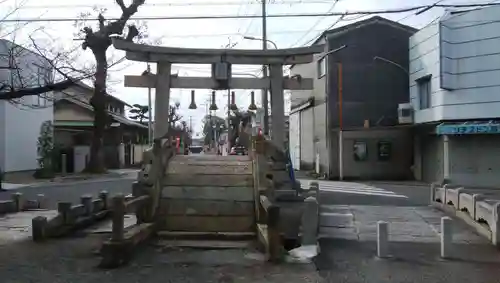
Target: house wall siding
[(396, 168), (313, 119), (371, 89), (23, 117), (70, 112), (461, 53), (2, 134), (306, 140)]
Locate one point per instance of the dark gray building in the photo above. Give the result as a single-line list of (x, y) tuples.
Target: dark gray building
[(347, 126)]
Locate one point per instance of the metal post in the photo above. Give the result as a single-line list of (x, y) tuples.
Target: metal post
[(150, 122), (341, 138), (228, 118), (63, 164), (265, 102)]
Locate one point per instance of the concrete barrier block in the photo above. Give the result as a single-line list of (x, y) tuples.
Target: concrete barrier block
[(476, 198), (453, 197), (466, 203), (440, 195), (484, 211)]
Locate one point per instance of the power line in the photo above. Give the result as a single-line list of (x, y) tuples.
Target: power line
[(174, 4), (298, 15), (237, 33), (316, 23)]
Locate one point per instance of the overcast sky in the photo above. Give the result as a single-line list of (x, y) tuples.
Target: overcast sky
[(210, 33)]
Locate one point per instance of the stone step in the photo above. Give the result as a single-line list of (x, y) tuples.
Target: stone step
[(210, 169), (209, 192), (220, 180), (196, 235), (203, 158), (204, 244)]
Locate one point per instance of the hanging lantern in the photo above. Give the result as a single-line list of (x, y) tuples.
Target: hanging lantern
[(213, 106), (233, 102), (193, 104), (252, 105)]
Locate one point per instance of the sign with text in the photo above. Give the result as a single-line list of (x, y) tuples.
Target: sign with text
[(468, 129)]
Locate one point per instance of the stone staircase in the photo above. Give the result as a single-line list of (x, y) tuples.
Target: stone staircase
[(208, 197)]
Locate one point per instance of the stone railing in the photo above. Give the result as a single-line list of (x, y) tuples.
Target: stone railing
[(281, 211), (71, 217), (18, 203), (118, 250), (477, 210), (146, 193)]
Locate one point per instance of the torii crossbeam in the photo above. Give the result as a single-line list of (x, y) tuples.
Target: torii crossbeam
[(221, 61)]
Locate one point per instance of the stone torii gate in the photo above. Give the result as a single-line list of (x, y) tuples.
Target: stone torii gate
[(221, 61)]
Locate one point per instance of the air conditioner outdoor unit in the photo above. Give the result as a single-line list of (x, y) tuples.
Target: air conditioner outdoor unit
[(405, 113)]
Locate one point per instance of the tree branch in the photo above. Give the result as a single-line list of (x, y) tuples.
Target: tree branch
[(101, 20), (36, 90), (121, 4), (132, 32), (117, 26)]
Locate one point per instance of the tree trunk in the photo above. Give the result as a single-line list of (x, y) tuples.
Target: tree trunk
[(98, 102)]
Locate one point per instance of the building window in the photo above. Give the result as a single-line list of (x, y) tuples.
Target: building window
[(384, 150), (360, 151), (424, 92), (321, 67)]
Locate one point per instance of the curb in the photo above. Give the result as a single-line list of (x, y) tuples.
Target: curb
[(75, 182)]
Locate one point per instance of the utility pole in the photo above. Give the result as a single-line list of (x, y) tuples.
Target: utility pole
[(150, 128), (228, 117), (265, 101)]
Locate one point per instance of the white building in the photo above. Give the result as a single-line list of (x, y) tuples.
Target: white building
[(455, 98), (21, 119)]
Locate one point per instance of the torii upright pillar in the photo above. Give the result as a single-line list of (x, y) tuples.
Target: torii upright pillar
[(277, 106), (221, 61), (162, 100)]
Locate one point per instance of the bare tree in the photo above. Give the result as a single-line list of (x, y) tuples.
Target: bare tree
[(173, 115), (98, 42), (24, 72)]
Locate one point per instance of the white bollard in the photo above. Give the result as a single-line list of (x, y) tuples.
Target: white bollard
[(446, 237), (382, 239)]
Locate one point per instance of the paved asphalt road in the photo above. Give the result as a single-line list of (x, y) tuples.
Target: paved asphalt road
[(72, 191), (352, 193), (354, 261)]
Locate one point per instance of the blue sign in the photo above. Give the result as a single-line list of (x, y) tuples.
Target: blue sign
[(468, 129)]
